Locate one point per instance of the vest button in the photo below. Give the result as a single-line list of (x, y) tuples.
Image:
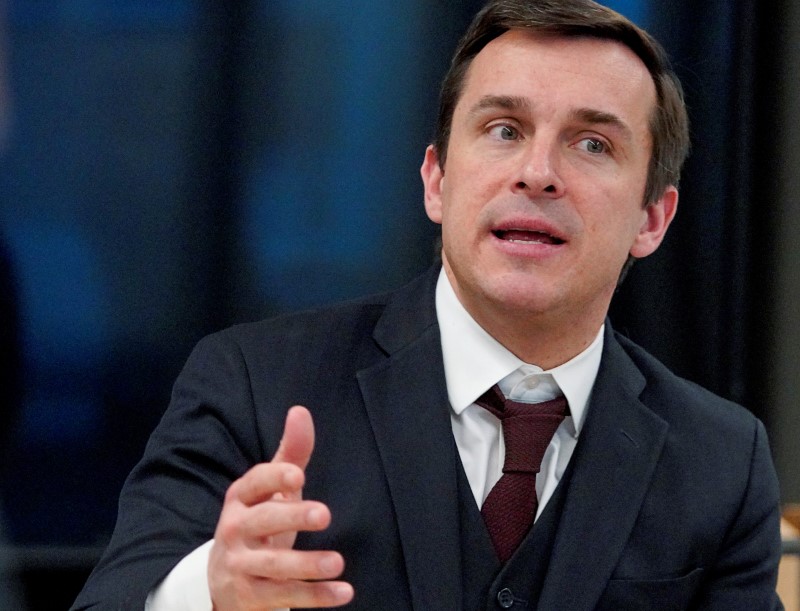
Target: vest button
[(505, 598)]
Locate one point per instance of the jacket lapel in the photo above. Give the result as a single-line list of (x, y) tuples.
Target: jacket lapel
[(613, 463), (406, 400)]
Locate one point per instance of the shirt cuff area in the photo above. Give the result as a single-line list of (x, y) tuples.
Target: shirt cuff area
[(185, 588)]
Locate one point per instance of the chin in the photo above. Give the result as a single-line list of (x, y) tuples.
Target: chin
[(532, 301)]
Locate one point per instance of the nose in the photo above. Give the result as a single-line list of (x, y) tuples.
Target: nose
[(538, 171)]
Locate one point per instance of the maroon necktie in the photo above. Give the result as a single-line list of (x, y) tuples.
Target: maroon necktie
[(511, 506)]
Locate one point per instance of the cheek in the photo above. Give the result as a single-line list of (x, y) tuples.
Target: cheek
[(615, 228), (458, 200)]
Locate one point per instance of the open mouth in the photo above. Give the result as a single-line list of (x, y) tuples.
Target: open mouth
[(523, 236)]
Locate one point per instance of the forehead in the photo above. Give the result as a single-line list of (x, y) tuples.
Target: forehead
[(562, 74)]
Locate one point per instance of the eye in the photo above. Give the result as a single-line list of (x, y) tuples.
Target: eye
[(593, 145), (504, 132)]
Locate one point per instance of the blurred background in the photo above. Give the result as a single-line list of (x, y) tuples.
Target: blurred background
[(171, 167)]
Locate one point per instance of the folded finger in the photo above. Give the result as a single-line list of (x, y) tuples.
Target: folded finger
[(276, 517), (265, 480), (290, 564), (303, 594)]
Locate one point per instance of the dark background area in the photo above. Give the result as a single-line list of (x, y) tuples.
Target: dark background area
[(171, 167)]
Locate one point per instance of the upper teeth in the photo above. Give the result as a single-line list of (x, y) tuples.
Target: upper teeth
[(527, 241)]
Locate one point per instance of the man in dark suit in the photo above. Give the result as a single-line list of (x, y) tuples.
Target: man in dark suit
[(561, 135)]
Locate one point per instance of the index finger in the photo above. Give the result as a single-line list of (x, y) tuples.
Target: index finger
[(265, 480)]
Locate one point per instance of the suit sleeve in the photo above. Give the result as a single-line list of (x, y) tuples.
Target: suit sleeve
[(171, 501), (745, 575)]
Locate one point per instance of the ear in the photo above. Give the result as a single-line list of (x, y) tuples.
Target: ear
[(658, 216), (432, 178)]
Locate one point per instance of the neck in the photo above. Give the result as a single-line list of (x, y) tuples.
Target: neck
[(545, 340), (546, 348)]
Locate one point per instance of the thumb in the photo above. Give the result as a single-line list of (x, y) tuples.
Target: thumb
[(297, 442)]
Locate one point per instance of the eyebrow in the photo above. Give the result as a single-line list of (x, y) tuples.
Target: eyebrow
[(506, 102), (599, 117)]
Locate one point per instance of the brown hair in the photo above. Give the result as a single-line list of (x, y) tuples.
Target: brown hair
[(669, 124)]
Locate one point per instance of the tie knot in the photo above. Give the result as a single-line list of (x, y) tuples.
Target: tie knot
[(527, 428)]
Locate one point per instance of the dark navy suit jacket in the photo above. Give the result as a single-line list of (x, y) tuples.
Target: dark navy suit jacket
[(672, 501)]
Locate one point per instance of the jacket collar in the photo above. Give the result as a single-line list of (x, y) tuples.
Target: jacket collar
[(406, 401), (613, 466)]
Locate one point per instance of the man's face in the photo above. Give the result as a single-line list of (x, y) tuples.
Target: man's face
[(540, 200)]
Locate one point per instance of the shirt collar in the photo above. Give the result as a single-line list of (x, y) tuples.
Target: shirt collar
[(474, 360)]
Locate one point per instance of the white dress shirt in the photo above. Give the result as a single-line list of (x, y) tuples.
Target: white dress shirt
[(473, 362)]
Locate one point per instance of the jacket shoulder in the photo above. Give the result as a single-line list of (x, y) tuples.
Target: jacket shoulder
[(337, 319), (683, 402), (385, 320)]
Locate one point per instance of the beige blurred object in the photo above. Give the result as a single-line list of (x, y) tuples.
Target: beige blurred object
[(789, 571)]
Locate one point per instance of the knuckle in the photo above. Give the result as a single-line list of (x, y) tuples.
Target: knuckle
[(258, 471), (238, 566), (232, 493), (235, 563), (270, 564), (228, 530)]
